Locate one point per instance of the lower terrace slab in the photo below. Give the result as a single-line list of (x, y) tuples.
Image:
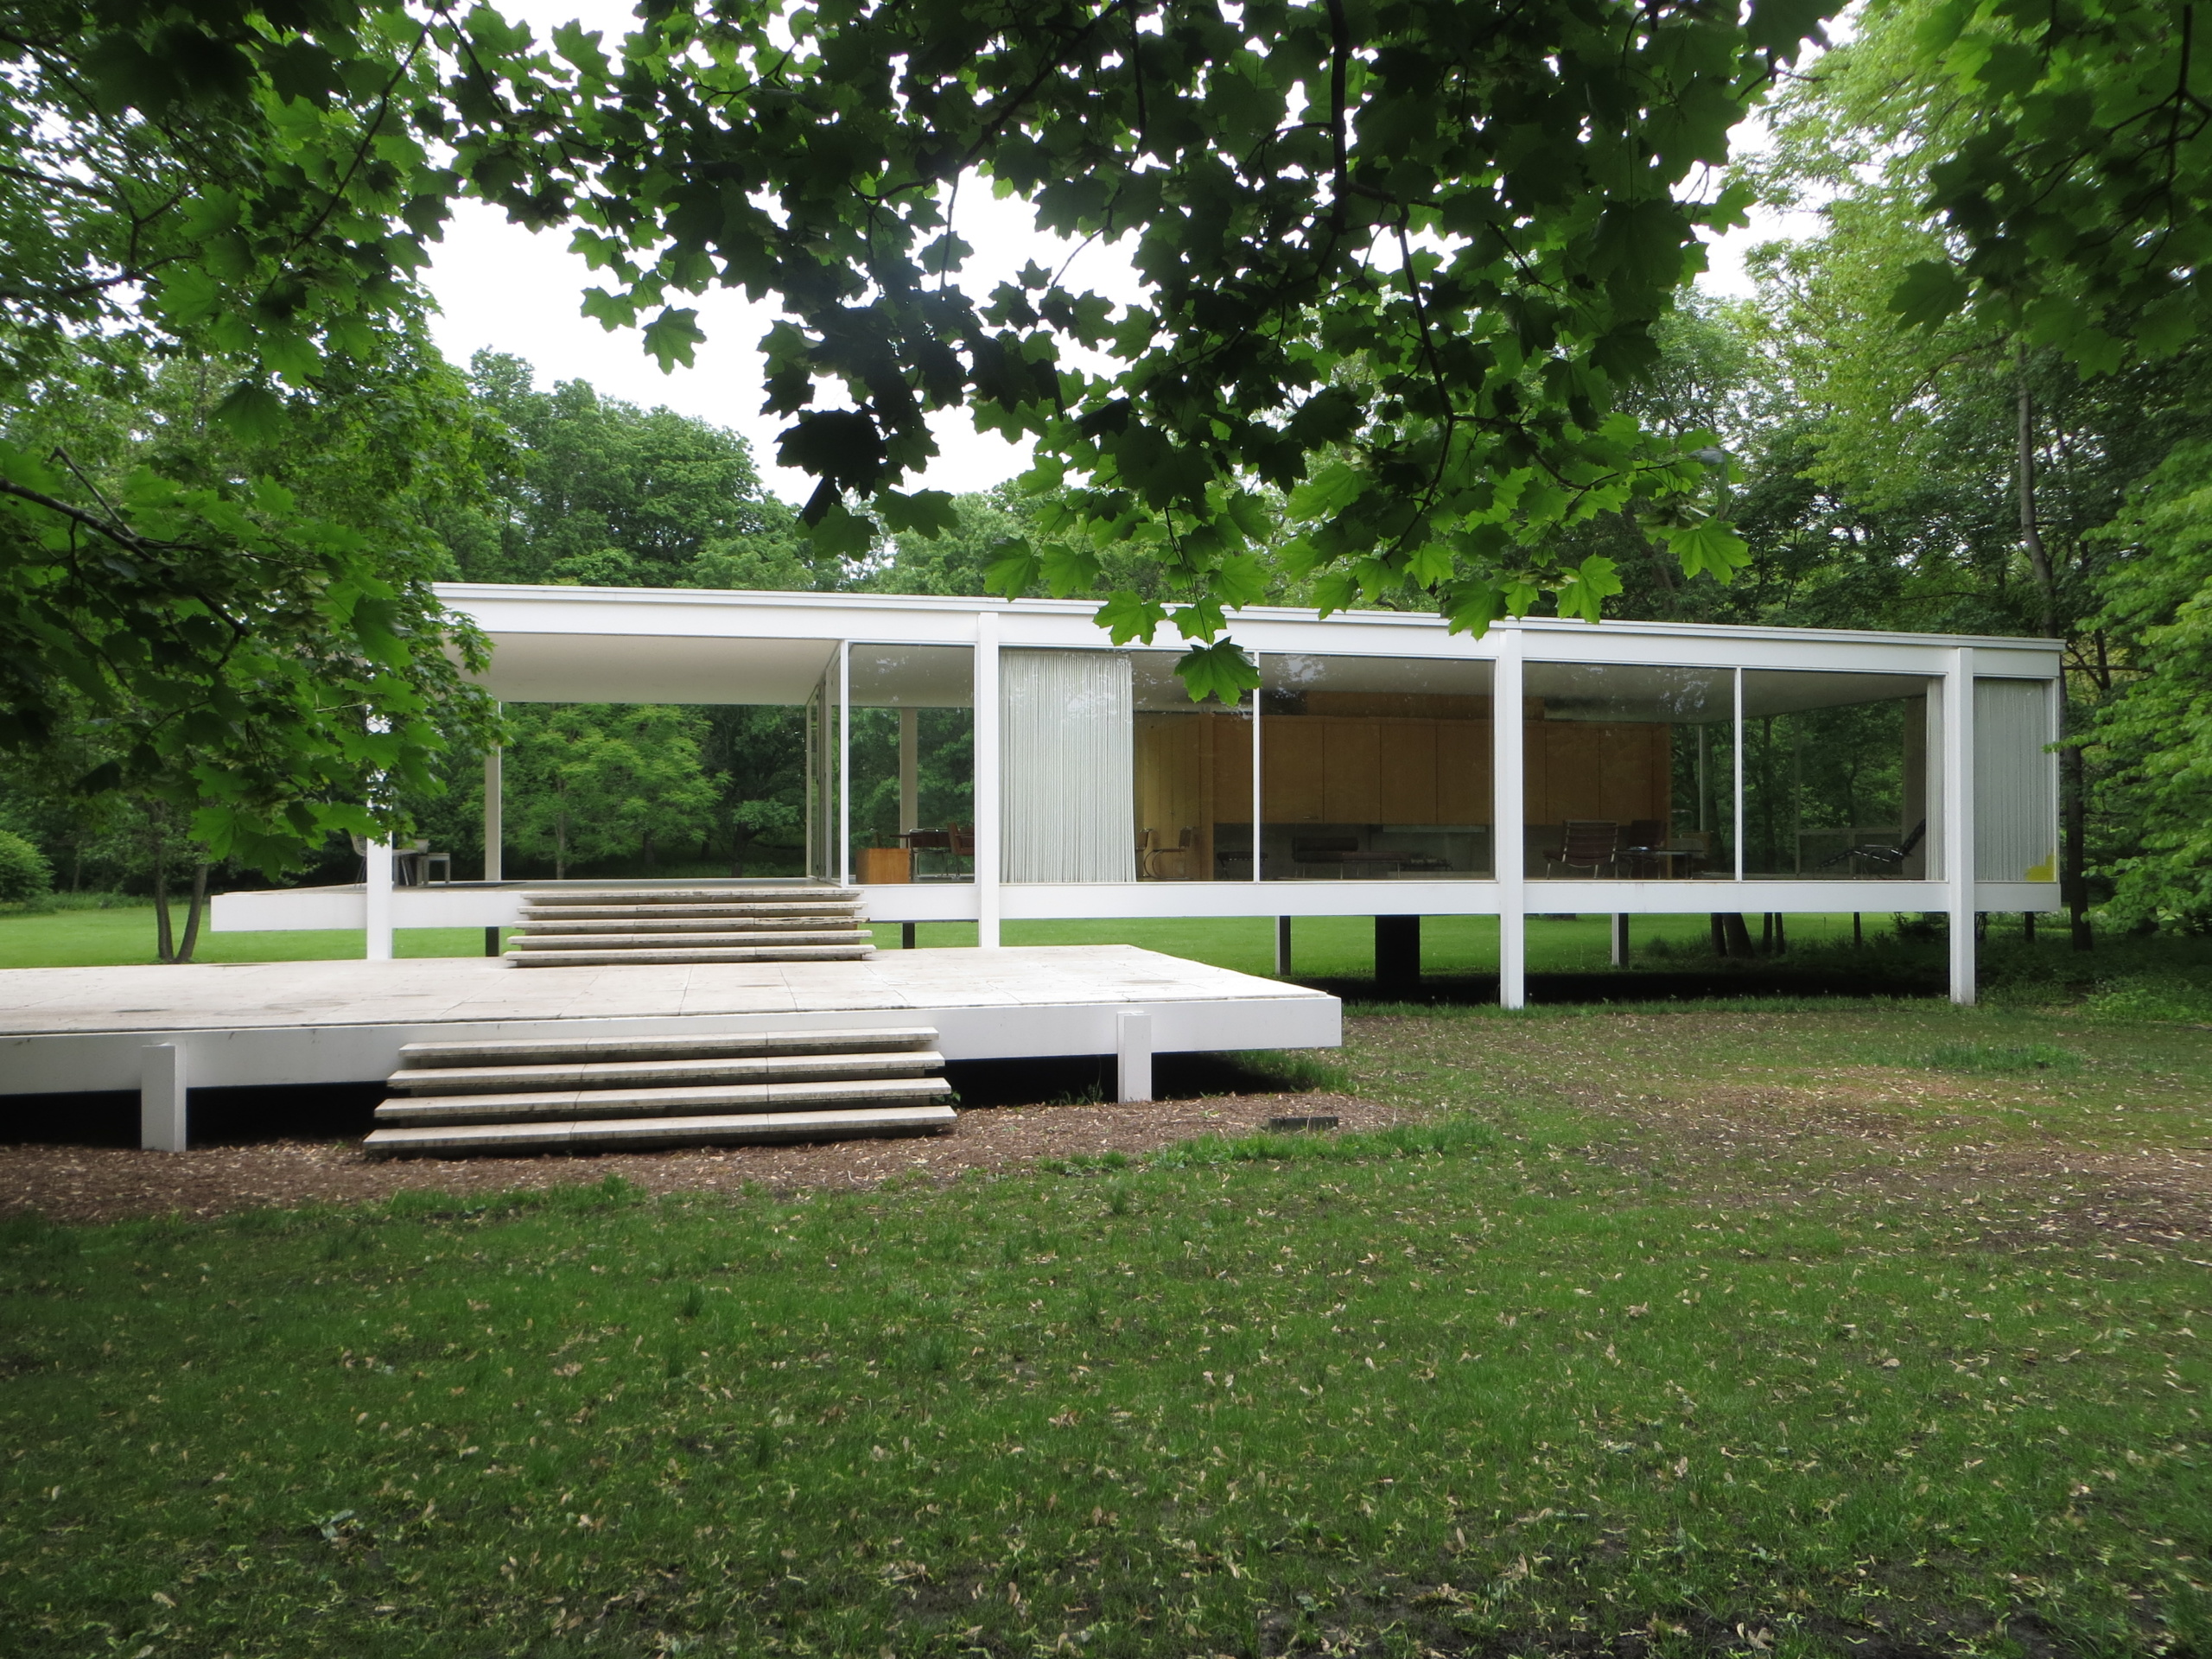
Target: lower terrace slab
[(67, 1030)]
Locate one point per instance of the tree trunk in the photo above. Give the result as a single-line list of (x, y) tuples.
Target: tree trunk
[(560, 847), (2073, 874), (2031, 527), (1719, 934), (649, 849), (1739, 934), (741, 844), (164, 939), (195, 911)]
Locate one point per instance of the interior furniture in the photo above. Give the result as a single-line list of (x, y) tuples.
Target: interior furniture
[(1587, 844), (1889, 857)]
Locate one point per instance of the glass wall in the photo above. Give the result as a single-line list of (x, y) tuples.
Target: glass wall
[(913, 763), (1374, 768), (1630, 771), (1191, 783), (1838, 776)]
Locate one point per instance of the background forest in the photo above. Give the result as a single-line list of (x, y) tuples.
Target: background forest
[(1959, 476)]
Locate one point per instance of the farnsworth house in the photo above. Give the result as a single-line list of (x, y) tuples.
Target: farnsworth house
[(984, 761)]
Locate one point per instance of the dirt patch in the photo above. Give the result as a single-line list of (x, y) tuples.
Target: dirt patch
[(84, 1184), (1842, 1136)]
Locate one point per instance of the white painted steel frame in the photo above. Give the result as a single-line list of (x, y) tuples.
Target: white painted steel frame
[(645, 616)]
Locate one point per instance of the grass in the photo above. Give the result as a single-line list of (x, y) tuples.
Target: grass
[(1682, 1330), (1323, 947)]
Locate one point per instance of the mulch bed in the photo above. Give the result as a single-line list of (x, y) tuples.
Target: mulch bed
[(90, 1183)]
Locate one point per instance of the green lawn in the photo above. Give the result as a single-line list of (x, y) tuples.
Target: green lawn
[(1860, 1329), (1323, 947)]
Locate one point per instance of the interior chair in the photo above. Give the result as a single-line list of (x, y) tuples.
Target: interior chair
[(1892, 858), (1590, 844), (1187, 843)]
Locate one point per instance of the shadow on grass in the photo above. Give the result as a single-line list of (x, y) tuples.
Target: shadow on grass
[(1638, 985)]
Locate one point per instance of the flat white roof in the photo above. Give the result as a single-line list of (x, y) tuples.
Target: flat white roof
[(705, 645)]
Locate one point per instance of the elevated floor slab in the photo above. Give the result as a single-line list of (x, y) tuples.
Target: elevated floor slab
[(66, 1030)]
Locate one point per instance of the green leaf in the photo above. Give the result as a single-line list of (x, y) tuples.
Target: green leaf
[(1221, 670), (1928, 292), (841, 533), (926, 513), (253, 411), (672, 337), (1328, 491), (1709, 547), (1012, 572), (1586, 588), (1125, 616)]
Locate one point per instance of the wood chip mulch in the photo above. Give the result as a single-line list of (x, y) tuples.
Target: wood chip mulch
[(86, 1184)]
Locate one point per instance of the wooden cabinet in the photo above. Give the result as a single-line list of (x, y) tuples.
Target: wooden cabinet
[(1351, 772), (1407, 749), (1291, 770), (1232, 769), (1462, 769), (1585, 769)]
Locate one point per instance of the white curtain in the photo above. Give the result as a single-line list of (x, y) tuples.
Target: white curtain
[(2015, 804), (1066, 785)]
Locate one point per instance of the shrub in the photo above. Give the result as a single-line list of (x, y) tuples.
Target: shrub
[(24, 873)]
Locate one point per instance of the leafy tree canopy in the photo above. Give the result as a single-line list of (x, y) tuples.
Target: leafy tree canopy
[(1399, 261)]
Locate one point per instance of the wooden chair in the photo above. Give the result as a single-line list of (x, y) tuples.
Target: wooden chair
[(1590, 844)]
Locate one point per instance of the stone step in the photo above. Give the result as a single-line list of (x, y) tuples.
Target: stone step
[(670, 955), (588, 1050), (795, 893), (705, 1100), (642, 1133), (745, 921), (649, 1074), (735, 939), (801, 914)]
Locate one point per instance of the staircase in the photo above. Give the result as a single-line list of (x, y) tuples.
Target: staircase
[(571, 929), (627, 1094)]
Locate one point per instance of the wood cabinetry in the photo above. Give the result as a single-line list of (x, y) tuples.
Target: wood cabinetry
[(1195, 771), (1585, 769), (1359, 769)]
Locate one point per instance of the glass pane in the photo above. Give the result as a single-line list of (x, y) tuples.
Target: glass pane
[(1191, 783), (1630, 771), (1837, 781), (1374, 768), (913, 763)]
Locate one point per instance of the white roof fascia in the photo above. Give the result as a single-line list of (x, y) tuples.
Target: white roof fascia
[(932, 619)]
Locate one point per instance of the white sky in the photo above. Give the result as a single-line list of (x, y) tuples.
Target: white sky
[(502, 288)]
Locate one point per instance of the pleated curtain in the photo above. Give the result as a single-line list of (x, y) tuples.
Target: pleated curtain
[(2015, 804), (1067, 808)]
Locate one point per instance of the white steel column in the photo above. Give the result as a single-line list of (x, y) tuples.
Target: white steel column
[(495, 816), (909, 770), (1132, 1055), (986, 779), (845, 762), (1736, 743), (1281, 953), (161, 1126), (1958, 818), (378, 900), (1508, 798)]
